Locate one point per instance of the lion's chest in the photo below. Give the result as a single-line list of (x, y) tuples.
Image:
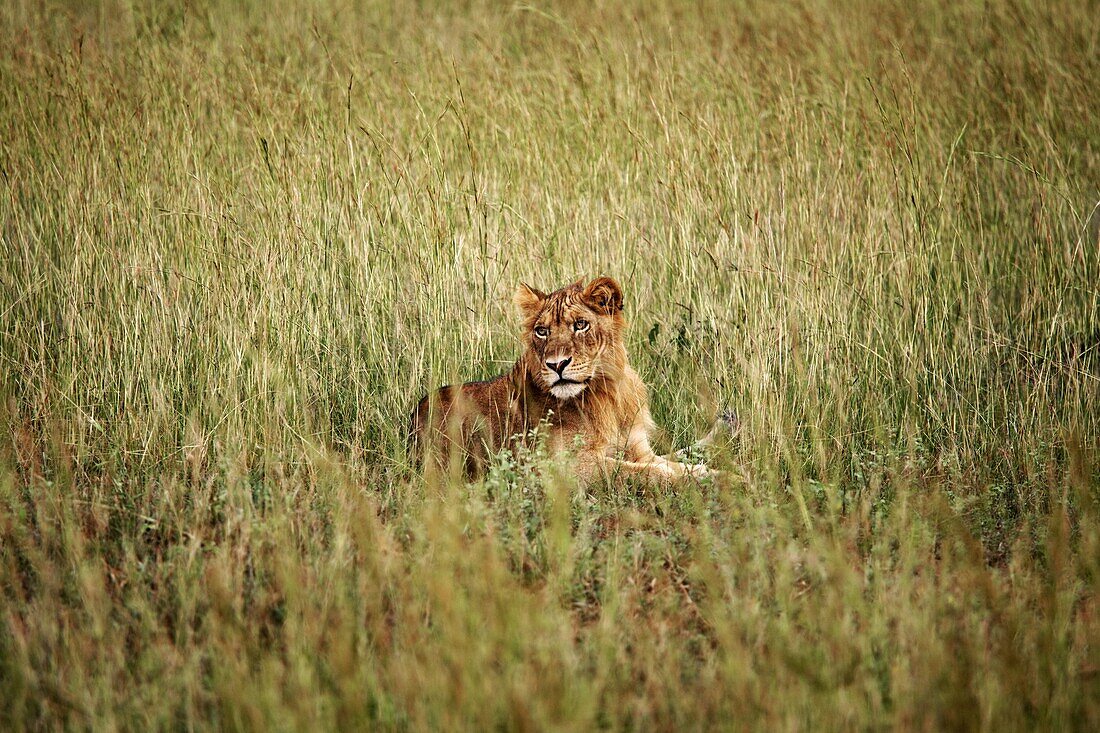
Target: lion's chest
[(610, 438)]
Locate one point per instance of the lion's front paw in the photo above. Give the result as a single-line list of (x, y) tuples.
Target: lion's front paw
[(700, 470)]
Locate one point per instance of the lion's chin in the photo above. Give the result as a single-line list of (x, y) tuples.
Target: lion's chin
[(566, 391)]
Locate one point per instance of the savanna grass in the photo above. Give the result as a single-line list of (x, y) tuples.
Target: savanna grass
[(240, 239)]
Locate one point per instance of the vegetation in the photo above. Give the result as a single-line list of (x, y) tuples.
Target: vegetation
[(239, 240)]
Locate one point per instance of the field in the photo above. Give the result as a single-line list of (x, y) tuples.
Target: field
[(240, 240)]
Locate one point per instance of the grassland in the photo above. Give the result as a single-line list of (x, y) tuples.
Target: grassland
[(239, 240)]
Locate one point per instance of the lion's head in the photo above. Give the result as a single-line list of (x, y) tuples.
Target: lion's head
[(573, 336)]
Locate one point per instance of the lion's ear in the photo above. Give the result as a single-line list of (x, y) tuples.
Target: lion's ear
[(527, 299), (604, 294)]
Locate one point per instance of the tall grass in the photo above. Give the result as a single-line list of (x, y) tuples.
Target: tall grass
[(240, 239)]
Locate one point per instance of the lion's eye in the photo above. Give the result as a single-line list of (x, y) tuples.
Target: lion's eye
[(580, 325), (542, 331)]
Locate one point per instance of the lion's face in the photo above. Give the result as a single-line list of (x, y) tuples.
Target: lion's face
[(573, 336)]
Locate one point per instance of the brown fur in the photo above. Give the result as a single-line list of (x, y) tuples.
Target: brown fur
[(607, 422)]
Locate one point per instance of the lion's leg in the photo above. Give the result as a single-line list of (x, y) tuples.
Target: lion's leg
[(640, 454), (639, 458), (726, 425), (678, 464), (592, 466), (679, 469)]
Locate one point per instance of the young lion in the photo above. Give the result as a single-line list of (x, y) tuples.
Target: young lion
[(574, 374)]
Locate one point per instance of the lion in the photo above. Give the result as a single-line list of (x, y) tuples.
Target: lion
[(574, 377)]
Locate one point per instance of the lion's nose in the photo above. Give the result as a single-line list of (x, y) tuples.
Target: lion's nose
[(559, 364)]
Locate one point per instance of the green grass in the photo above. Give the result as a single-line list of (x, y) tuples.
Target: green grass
[(239, 241)]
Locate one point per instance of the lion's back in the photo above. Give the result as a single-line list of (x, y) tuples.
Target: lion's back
[(471, 418)]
